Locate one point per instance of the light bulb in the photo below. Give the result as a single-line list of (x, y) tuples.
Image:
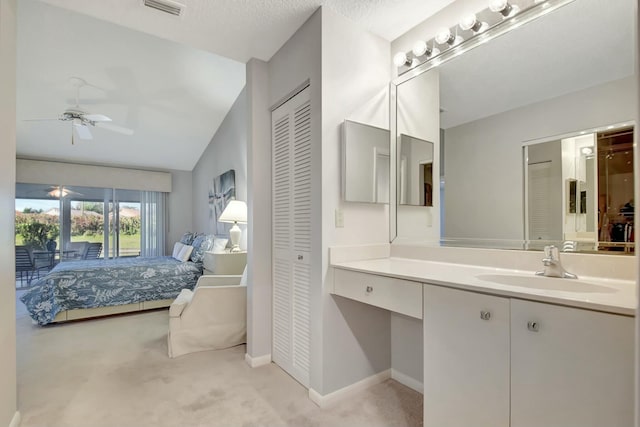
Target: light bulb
[(587, 150), (400, 59), (420, 48), (444, 36), (504, 8), (470, 22), (498, 5)]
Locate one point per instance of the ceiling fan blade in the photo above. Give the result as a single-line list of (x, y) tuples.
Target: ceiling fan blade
[(97, 117), (115, 128), (82, 131)]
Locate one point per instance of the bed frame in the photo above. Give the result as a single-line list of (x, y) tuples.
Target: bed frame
[(87, 313)]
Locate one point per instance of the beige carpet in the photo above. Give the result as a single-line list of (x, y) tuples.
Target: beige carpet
[(115, 372)]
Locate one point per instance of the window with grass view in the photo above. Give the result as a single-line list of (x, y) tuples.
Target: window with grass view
[(73, 214)]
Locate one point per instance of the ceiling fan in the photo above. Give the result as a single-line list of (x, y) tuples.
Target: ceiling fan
[(55, 191), (81, 120)]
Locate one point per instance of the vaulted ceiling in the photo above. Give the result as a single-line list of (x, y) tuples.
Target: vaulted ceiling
[(170, 79)]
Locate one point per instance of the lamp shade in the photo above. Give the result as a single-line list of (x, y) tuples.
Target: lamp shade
[(236, 211)]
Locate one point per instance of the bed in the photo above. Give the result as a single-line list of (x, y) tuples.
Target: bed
[(81, 289)]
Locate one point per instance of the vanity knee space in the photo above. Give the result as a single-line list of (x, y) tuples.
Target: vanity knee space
[(499, 361)]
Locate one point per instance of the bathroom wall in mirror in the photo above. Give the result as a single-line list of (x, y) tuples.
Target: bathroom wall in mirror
[(545, 81), (579, 189), (365, 163), (415, 171)]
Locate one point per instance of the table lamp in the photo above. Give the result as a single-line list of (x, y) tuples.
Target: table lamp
[(235, 212)]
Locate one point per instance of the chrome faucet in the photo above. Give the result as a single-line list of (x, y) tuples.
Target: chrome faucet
[(552, 266)]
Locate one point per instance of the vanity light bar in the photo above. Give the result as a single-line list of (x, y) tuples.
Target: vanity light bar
[(484, 26)]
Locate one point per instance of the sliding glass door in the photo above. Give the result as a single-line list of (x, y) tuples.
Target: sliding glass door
[(126, 222)]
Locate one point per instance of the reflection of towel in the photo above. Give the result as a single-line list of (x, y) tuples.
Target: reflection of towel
[(628, 233)]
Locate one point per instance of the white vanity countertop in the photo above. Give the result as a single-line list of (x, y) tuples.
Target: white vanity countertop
[(608, 295)]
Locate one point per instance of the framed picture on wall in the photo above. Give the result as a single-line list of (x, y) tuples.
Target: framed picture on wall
[(223, 190)]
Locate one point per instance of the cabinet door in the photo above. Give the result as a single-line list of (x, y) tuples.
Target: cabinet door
[(466, 359), (573, 368)]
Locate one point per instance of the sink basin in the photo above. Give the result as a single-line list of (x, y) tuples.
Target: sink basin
[(547, 283)]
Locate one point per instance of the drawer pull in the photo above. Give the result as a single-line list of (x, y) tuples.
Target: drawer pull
[(485, 315), (369, 289), (300, 257), (533, 326)]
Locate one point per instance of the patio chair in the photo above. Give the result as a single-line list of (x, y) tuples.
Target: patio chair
[(93, 251), (24, 264)]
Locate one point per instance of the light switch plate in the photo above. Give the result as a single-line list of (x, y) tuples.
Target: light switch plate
[(339, 218)]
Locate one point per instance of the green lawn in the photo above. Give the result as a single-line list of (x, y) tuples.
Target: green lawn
[(129, 245)]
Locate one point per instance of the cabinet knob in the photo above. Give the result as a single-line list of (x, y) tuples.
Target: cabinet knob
[(485, 315), (300, 257), (369, 289), (533, 326)]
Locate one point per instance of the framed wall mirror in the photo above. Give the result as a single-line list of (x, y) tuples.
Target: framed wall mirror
[(365, 163), (564, 75)]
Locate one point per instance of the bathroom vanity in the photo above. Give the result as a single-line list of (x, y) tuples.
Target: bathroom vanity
[(503, 347)]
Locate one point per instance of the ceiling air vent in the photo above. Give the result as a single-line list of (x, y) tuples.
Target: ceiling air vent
[(166, 6)]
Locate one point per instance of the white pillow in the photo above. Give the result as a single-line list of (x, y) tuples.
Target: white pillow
[(219, 245), (243, 279), (184, 253), (176, 249)]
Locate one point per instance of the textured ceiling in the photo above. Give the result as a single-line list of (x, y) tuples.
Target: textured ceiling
[(242, 29), (583, 44)]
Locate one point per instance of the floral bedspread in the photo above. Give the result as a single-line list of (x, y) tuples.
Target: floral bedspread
[(100, 283)]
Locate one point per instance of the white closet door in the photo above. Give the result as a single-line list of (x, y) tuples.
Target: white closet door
[(540, 209), (291, 187)]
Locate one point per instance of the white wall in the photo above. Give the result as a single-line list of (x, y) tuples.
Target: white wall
[(258, 210), (8, 391), (227, 150), (356, 338), (483, 159)]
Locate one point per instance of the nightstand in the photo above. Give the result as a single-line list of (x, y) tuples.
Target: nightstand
[(224, 262)]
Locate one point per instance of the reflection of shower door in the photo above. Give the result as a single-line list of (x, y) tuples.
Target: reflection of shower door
[(539, 212)]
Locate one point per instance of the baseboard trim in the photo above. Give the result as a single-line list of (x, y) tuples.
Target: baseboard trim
[(332, 398), (255, 362), (15, 421), (410, 382)]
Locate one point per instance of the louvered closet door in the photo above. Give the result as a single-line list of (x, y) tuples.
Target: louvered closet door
[(539, 204), (291, 195)]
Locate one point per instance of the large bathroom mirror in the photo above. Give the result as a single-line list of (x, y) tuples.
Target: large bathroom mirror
[(365, 163), (567, 75)]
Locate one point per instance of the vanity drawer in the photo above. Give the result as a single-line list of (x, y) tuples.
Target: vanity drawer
[(400, 296)]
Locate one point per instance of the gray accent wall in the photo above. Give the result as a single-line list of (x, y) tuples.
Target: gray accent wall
[(226, 150)]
